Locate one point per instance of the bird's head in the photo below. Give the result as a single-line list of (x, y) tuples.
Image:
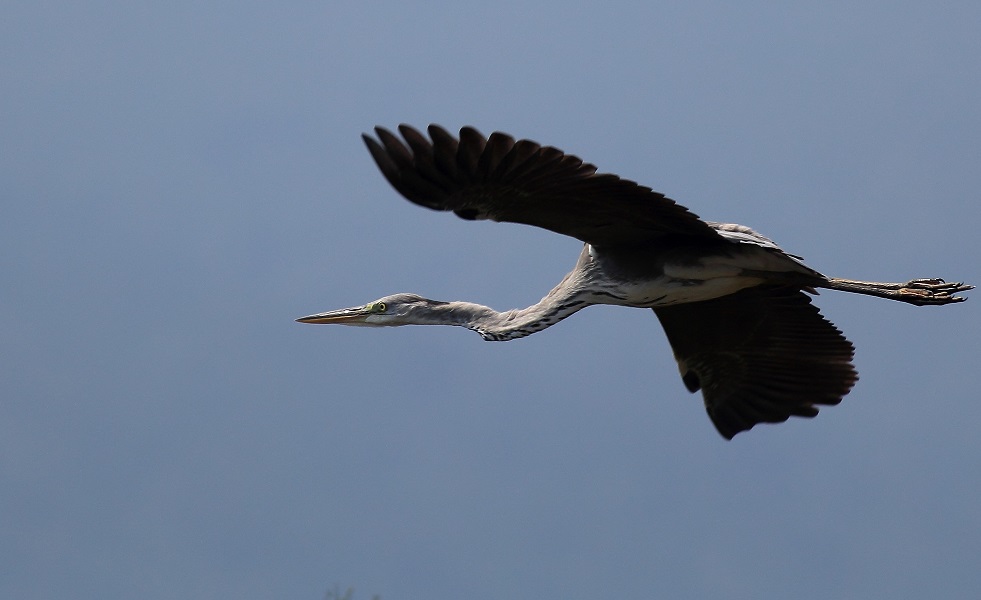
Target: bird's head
[(390, 311)]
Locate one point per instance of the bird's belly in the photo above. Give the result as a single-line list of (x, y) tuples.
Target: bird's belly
[(687, 279), (666, 290)]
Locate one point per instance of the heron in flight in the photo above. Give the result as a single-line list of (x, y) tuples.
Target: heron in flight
[(734, 305)]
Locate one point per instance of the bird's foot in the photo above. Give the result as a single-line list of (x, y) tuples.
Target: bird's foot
[(932, 291)]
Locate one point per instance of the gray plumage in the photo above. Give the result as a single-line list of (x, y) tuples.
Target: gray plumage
[(734, 305)]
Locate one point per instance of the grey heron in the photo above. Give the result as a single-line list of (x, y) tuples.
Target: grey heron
[(734, 305)]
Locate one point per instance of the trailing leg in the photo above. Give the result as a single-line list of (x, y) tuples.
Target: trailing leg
[(920, 292)]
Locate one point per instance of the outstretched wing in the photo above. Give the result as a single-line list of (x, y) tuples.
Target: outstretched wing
[(501, 179), (761, 355)]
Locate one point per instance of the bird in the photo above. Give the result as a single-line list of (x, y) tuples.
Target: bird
[(735, 307)]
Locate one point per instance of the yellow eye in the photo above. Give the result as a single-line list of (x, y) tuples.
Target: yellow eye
[(377, 307)]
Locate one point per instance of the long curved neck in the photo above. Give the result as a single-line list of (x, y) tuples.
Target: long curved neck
[(568, 297), (520, 322)]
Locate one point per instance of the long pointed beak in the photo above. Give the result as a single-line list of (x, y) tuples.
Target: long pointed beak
[(348, 316)]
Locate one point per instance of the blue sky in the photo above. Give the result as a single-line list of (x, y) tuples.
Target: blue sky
[(181, 180)]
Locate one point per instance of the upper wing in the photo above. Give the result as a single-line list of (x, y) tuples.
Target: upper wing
[(759, 355), (522, 182)]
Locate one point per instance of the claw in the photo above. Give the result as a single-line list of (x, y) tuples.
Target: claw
[(933, 291)]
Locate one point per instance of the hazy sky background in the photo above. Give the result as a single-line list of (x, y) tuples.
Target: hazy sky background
[(180, 180)]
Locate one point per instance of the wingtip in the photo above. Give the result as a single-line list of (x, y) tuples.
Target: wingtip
[(436, 130)]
